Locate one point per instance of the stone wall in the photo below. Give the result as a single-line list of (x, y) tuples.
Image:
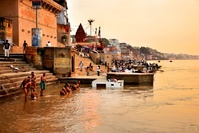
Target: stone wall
[(56, 59), (107, 58), (95, 57)]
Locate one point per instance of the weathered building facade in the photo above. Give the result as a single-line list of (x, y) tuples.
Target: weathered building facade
[(23, 18)]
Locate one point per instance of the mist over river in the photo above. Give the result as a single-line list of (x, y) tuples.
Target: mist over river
[(171, 105)]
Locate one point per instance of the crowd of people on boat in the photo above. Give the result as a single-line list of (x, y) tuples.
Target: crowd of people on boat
[(132, 65)]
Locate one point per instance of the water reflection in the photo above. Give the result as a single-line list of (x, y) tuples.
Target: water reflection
[(169, 106), (80, 112)]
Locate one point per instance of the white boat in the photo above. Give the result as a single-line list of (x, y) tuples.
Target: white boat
[(108, 84)]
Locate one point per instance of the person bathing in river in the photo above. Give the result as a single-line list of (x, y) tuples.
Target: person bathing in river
[(23, 83), (29, 86), (63, 91), (43, 84), (66, 89), (33, 79), (76, 86)]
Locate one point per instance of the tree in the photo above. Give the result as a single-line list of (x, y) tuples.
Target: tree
[(144, 50), (105, 41)]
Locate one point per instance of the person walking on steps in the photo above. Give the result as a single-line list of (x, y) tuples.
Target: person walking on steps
[(6, 48), (98, 70), (24, 46), (81, 64)]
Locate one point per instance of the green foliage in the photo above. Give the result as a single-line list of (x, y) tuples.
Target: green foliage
[(64, 37), (106, 42), (144, 50)]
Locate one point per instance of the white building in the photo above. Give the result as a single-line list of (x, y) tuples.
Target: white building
[(115, 42)]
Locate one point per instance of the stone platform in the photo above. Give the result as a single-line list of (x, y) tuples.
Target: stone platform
[(132, 78)]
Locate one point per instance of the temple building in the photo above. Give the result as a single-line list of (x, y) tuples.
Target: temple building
[(18, 18)]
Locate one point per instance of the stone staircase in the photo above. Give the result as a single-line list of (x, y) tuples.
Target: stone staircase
[(87, 61), (11, 78)]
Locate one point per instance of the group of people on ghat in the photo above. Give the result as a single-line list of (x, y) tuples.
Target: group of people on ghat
[(29, 85), (133, 66), (130, 66), (68, 88), (89, 68)]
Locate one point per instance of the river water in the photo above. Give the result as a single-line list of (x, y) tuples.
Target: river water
[(171, 105)]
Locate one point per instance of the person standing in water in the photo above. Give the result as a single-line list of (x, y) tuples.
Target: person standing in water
[(29, 86), (33, 80), (43, 84)]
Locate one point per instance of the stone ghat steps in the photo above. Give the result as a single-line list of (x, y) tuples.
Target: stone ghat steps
[(14, 55), (21, 69), (12, 62), (87, 61), (5, 67), (4, 93), (20, 77), (10, 80), (7, 70), (13, 78), (15, 87)]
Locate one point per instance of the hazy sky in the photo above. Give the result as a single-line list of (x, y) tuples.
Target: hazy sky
[(170, 26)]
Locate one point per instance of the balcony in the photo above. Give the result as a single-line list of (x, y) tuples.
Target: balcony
[(51, 6)]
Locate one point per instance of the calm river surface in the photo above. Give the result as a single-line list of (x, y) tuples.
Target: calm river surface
[(171, 105)]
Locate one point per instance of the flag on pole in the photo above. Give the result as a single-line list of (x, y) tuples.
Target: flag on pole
[(96, 31), (99, 32)]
